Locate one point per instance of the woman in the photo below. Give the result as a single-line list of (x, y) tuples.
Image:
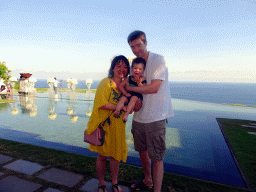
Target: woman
[(106, 99)]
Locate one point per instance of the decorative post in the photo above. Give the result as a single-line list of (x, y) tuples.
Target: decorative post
[(50, 82), (89, 84), (73, 84)]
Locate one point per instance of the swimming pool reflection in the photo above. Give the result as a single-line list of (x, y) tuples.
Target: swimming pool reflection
[(195, 145), (28, 105)]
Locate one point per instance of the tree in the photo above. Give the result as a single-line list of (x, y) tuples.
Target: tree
[(4, 71)]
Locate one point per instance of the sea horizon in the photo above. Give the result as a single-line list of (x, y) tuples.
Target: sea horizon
[(212, 92)]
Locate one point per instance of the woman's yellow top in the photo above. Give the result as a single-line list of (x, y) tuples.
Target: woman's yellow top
[(115, 141)]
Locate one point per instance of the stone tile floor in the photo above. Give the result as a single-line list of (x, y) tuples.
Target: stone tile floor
[(25, 176)]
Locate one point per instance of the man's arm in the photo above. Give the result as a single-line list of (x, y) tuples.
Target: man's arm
[(146, 89)]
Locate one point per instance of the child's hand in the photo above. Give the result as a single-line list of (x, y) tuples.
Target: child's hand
[(136, 78), (128, 95)]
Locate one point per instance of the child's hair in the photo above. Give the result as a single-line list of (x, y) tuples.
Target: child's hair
[(139, 60)]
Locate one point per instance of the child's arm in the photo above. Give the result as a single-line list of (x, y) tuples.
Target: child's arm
[(122, 87), (139, 82)]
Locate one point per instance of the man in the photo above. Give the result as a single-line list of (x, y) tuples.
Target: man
[(149, 123), (55, 85)]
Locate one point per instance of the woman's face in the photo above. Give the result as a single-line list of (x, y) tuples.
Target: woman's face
[(120, 70)]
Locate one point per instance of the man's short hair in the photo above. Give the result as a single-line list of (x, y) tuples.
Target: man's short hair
[(139, 60), (136, 35)]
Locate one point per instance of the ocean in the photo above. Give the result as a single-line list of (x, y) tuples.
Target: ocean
[(229, 93)]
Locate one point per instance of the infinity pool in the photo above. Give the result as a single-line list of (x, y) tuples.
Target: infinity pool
[(195, 144)]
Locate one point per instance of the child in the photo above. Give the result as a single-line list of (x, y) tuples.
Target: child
[(138, 68)]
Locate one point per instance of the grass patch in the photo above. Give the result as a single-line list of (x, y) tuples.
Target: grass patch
[(239, 105), (243, 145), (6, 101), (40, 90)]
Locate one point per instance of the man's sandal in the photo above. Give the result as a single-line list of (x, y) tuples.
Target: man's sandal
[(103, 187), (141, 186), (116, 186)]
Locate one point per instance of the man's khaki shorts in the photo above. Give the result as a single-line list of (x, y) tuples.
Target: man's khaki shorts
[(150, 137)]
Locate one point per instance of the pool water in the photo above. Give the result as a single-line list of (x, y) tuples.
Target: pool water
[(195, 146)]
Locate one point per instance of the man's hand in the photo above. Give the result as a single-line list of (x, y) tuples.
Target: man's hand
[(137, 106)]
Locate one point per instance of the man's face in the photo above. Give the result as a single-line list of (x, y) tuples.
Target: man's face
[(139, 48)]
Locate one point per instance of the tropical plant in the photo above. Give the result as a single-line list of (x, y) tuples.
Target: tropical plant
[(4, 71)]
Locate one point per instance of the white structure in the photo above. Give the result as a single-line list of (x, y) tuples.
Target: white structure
[(71, 83), (25, 85), (50, 82), (88, 84), (32, 82)]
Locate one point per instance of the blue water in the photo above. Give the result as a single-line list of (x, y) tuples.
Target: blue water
[(195, 145), (229, 93)]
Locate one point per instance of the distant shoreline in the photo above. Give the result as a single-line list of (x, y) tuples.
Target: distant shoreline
[(41, 90)]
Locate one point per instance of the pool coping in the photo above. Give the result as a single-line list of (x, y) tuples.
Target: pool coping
[(135, 161)]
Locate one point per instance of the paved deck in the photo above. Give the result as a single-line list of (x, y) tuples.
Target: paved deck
[(25, 176)]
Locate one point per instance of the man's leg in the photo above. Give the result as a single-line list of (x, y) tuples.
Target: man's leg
[(158, 171), (156, 149), (146, 166), (139, 136)]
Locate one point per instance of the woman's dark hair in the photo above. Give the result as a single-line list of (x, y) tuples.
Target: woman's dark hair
[(136, 35), (115, 61), (139, 60)]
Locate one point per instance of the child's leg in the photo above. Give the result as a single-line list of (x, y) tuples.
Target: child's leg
[(130, 106), (120, 105)]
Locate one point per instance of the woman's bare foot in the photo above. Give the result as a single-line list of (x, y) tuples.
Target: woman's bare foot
[(116, 188)]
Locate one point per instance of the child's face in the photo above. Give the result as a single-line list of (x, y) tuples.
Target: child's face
[(137, 69)]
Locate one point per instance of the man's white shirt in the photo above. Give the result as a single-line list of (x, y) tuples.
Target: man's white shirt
[(156, 106)]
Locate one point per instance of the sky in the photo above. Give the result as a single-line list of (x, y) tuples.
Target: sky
[(205, 41)]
